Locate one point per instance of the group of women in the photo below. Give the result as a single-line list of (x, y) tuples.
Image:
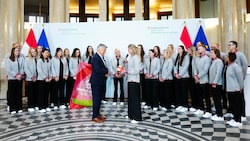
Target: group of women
[(49, 79), (156, 80)]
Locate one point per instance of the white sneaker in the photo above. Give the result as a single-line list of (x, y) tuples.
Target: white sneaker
[(114, 103), (146, 107), (178, 108), (192, 109), (164, 109), (228, 115), (183, 109), (8, 108), (20, 111), (121, 103), (155, 109), (104, 102), (235, 124), (42, 111), (36, 108), (199, 112), (216, 118), (62, 107), (31, 110), (126, 117), (143, 103), (231, 121), (55, 108), (48, 109), (243, 118), (133, 121), (13, 112), (207, 115)]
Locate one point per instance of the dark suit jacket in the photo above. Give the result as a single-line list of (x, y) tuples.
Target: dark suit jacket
[(99, 70)]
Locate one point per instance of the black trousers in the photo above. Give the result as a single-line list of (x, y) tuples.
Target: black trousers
[(120, 81), (224, 99), (193, 92), (166, 93), (15, 94), (97, 96), (181, 92), (243, 112), (142, 87), (216, 93), (70, 82), (147, 92), (43, 93), (134, 105), (154, 92), (235, 100), (31, 90), (58, 97), (206, 96)]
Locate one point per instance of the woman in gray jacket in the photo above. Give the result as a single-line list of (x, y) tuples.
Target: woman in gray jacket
[(181, 74), (15, 73), (59, 69), (234, 87), (215, 81), (31, 77), (74, 61), (133, 78), (44, 78), (166, 80)]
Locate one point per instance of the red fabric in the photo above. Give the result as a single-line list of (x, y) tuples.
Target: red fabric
[(82, 87), (31, 39), (185, 38)]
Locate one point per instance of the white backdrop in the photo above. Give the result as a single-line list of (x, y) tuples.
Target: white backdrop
[(117, 35)]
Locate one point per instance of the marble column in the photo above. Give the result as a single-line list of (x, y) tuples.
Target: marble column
[(12, 28), (232, 23), (103, 10), (138, 10), (58, 11), (183, 9)]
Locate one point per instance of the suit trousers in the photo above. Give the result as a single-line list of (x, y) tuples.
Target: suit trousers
[(216, 93), (31, 93), (120, 81), (15, 94), (235, 100), (43, 93), (97, 96), (134, 104)]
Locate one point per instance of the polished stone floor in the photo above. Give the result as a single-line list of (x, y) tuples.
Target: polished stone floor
[(65, 124)]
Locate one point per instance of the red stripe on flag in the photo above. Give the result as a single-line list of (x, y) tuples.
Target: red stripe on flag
[(185, 37)]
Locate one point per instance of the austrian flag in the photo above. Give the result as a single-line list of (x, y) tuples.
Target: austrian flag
[(185, 38)]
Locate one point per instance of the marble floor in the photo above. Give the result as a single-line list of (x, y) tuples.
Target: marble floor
[(76, 124)]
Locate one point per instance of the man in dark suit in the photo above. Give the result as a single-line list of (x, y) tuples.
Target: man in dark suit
[(98, 82)]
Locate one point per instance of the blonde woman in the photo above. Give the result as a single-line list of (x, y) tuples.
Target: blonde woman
[(30, 69), (166, 81), (133, 79)]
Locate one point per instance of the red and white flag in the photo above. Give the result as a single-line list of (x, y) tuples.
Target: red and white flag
[(30, 42)]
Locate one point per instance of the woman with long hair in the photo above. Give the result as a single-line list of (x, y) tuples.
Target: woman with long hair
[(30, 69), (74, 61), (142, 76), (215, 81), (66, 55), (60, 73), (14, 67), (87, 57), (44, 78), (133, 73), (181, 74), (166, 81)]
